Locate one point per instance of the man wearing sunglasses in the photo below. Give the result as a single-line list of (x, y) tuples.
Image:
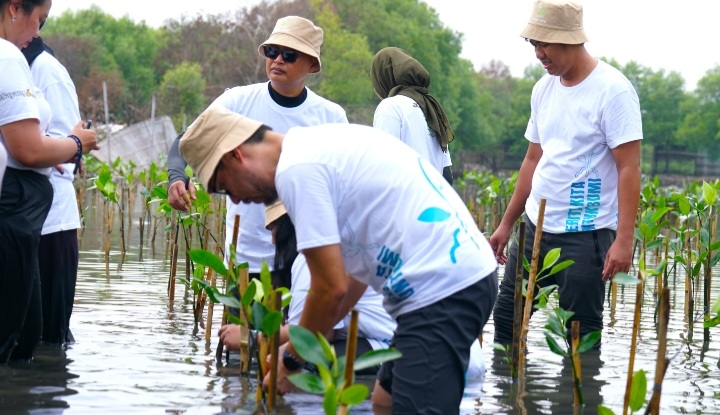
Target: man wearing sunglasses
[(291, 53)]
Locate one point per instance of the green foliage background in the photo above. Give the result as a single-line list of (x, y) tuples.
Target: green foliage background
[(189, 62)]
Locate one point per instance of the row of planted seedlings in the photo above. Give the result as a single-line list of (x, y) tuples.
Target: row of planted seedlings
[(676, 232), (256, 305)]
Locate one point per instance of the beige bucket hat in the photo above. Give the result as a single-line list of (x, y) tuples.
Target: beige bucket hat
[(296, 33), (274, 212), (215, 132), (556, 21)]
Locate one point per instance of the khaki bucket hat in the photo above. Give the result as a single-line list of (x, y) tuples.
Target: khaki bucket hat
[(274, 212), (296, 33), (215, 132), (556, 21)]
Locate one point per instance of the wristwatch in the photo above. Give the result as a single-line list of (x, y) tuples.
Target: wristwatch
[(291, 362)]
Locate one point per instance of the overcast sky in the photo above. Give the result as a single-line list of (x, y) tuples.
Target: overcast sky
[(660, 34)]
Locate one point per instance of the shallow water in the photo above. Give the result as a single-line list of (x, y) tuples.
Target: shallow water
[(133, 355)]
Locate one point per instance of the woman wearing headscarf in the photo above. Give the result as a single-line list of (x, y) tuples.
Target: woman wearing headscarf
[(26, 192), (407, 110)]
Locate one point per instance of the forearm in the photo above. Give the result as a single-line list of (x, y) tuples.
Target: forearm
[(175, 163), (328, 288), (628, 199)]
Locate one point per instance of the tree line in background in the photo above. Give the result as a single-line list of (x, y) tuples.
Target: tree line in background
[(188, 62)]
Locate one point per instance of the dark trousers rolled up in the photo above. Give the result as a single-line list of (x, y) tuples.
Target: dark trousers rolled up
[(58, 260), (24, 204)]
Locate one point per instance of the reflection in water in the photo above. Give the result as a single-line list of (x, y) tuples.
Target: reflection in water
[(134, 356)]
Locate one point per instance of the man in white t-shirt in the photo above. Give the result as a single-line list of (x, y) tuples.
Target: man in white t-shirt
[(291, 53), (584, 160), (368, 206)]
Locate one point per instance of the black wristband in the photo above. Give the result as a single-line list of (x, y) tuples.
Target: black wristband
[(79, 153), (291, 362)]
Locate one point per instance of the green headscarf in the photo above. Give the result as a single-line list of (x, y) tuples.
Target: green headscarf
[(395, 72)]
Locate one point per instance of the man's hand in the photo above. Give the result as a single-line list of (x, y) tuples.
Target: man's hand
[(180, 198), (498, 242), (230, 336), (283, 383), (618, 259)]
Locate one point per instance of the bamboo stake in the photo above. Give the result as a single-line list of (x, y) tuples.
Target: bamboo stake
[(350, 355), (706, 289), (662, 360), (577, 372), (633, 343), (245, 327), (531, 288), (231, 262), (274, 354), (173, 270), (613, 297), (211, 306), (688, 282), (262, 344), (517, 313)]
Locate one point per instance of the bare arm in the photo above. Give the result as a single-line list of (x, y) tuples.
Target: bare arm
[(619, 256), (28, 146), (516, 207)]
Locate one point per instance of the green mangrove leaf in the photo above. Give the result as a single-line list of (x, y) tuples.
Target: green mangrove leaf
[(709, 193), (564, 315), (354, 395), (330, 402), (551, 258), (259, 311), (265, 277), (554, 345), (659, 214), (561, 266), (327, 349), (271, 323), (501, 347), (307, 345), (249, 295), (307, 382), (588, 341), (375, 358), (638, 390), (604, 410), (555, 326), (208, 259), (716, 306), (285, 295), (684, 204), (625, 279), (227, 300), (326, 376)]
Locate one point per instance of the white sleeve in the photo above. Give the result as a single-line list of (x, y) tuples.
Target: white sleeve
[(308, 192), (388, 120)]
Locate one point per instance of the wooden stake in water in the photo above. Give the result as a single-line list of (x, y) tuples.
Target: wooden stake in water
[(231, 264), (633, 341), (530, 288), (662, 360), (350, 350), (243, 281), (577, 372), (274, 355), (518, 312), (173, 270)]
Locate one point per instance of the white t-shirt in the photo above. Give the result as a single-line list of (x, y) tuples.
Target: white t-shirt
[(254, 101), (577, 128), (3, 164), (53, 80), (402, 117), (19, 98), (402, 229), (374, 323)]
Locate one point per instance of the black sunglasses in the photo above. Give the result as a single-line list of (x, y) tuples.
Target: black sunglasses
[(272, 52)]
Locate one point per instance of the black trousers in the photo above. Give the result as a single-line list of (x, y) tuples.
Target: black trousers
[(24, 204), (580, 286), (58, 260)]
